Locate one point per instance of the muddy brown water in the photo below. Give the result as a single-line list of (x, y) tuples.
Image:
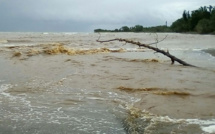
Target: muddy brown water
[(129, 91)]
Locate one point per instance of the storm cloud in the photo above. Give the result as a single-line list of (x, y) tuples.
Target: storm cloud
[(86, 15)]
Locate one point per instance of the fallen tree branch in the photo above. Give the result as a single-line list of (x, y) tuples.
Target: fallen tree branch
[(173, 58), (158, 41)]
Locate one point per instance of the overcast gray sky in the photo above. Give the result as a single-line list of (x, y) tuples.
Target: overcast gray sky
[(87, 15)]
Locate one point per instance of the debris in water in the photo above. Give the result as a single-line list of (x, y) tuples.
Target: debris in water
[(118, 51), (151, 60), (134, 122), (17, 54), (32, 52), (57, 48), (145, 60), (127, 89), (157, 91), (172, 93), (61, 49)]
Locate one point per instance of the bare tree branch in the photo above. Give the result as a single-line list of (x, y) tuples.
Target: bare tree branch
[(173, 58), (158, 41)]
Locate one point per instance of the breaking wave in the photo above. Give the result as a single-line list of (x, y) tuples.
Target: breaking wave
[(145, 122), (210, 51)]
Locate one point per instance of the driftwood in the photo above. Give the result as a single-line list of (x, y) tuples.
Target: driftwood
[(173, 58)]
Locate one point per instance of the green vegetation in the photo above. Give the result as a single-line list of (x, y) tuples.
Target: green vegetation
[(200, 21)]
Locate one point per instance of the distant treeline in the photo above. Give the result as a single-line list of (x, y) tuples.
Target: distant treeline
[(137, 28), (200, 21)]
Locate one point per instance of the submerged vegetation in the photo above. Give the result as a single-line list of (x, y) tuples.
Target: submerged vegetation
[(200, 21)]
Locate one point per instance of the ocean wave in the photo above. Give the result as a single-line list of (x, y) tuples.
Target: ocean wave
[(58, 48), (206, 125), (183, 49), (3, 88), (143, 121), (45, 33), (3, 41), (210, 51), (60, 33), (72, 33)]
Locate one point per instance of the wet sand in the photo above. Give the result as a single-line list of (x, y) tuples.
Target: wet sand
[(147, 83)]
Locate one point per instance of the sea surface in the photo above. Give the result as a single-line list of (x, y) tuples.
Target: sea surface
[(92, 87)]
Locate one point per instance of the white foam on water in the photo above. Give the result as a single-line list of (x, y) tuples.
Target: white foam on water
[(209, 129), (17, 45), (182, 49), (206, 125), (70, 33), (20, 97), (96, 98), (209, 55), (134, 50), (197, 49), (4, 87), (59, 109), (45, 33)]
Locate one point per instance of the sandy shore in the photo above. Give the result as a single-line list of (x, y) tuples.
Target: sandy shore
[(147, 83)]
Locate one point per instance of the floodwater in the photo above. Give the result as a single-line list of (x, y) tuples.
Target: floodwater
[(60, 83)]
